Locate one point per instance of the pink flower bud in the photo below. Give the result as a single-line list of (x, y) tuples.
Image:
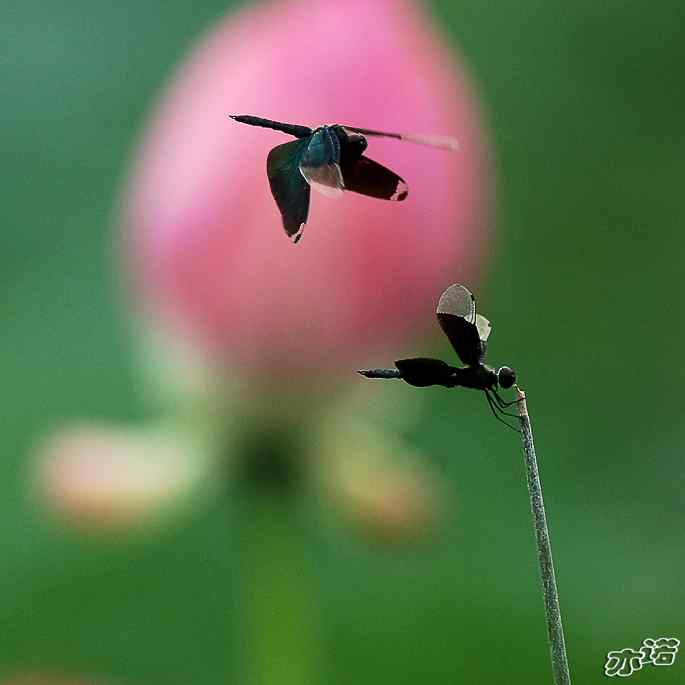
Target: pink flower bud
[(204, 242)]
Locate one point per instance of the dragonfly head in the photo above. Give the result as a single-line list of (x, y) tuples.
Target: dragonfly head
[(506, 377), (351, 140)]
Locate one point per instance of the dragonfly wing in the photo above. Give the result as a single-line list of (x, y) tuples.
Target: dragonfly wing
[(458, 300), (364, 176), (327, 179), (289, 188), (457, 317), (484, 329), (444, 142)]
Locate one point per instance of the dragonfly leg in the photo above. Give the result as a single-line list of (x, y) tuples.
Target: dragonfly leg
[(495, 409), (501, 402)]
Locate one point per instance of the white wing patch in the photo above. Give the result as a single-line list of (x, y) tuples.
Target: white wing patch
[(484, 327), (326, 179)]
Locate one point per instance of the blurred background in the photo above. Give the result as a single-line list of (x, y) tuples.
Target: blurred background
[(582, 108)]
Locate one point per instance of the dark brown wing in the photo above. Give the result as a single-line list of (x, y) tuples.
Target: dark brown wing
[(363, 175), (289, 188)]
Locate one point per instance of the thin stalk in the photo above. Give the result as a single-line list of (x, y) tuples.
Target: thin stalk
[(281, 629), (555, 629)]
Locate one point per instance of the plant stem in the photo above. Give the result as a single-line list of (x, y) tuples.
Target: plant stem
[(281, 631), (555, 629)]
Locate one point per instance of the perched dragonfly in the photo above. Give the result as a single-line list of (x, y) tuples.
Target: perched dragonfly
[(468, 332), (330, 159)]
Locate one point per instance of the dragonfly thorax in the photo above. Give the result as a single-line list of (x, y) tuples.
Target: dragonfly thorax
[(478, 377)]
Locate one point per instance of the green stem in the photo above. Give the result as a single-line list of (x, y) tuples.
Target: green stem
[(555, 629), (282, 636)]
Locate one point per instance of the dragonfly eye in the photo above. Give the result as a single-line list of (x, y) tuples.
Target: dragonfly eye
[(506, 377)]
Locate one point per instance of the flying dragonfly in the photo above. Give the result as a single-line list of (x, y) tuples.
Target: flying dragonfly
[(330, 159), (468, 332)]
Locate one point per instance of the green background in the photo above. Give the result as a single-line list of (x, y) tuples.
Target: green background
[(587, 107)]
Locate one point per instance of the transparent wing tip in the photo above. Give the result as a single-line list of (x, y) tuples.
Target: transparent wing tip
[(401, 191), (442, 142), (458, 301), (295, 237)]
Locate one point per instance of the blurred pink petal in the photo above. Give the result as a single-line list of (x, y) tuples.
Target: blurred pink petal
[(103, 477), (204, 243), (376, 483)]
